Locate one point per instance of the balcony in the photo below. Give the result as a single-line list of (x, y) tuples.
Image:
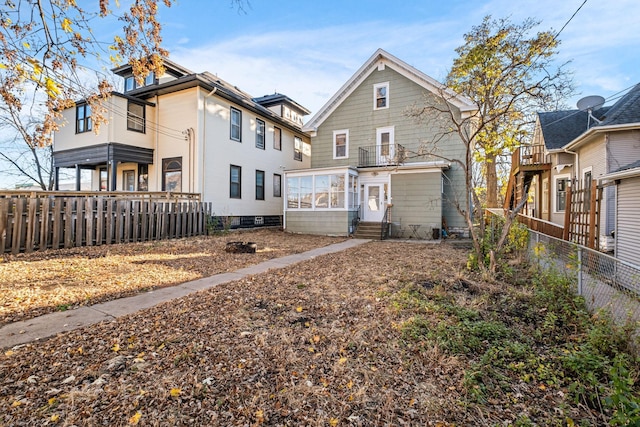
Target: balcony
[(381, 155), (529, 158)]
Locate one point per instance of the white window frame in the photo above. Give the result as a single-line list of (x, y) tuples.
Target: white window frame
[(555, 191), (375, 95), (545, 196), (346, 145)]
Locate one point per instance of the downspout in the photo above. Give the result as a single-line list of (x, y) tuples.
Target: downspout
[(577, 163)]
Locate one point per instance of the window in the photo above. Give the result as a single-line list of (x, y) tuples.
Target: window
[(320, 191), (259, 185), (340, 144), (297, 149), (129, 180), (235, 181), (381, 96), (353, 192), (277, 138), (259, 134), (277, 185), (104, 183), (129, 83), (588, 182), (172, 174), (236, 124), (143, 177), (562, 182), (135, 117), (83, 118), (150, 79), (300, 192)]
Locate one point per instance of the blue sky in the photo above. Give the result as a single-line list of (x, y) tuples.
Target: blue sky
[(308, 49)]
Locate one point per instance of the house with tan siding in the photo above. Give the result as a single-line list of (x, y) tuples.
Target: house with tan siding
[(193, 133), (587, 148), (369, 165)]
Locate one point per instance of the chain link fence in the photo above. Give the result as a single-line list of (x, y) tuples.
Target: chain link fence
[(604, 281)]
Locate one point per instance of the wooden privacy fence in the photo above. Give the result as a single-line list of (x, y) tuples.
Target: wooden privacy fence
[(38, 223)]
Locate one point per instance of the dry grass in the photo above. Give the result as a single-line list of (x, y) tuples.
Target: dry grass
[(42, 282), (326, 342)]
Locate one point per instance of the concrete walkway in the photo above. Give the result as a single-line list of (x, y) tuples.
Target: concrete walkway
[(51, 324)]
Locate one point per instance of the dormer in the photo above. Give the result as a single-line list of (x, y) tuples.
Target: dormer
[(284, 107), (172, 71)]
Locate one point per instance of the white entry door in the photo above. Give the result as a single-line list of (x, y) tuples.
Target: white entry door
[(373, 209)]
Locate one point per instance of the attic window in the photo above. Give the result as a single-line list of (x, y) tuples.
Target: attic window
[(381, 96)]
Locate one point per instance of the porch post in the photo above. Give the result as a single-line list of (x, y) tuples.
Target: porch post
[(56, 178), (78, 177), (113, 168)]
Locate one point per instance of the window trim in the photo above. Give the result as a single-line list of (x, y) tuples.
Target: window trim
[(85, 120), (586, 197), (375, 95), (239, 125), (143, 177), (277, 193), (260, 173), (260, 124), (555, 191), (232, 183), (344, 132), (133, 118), (125, 173)]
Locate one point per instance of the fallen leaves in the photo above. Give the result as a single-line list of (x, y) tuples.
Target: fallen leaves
[(266, 351)]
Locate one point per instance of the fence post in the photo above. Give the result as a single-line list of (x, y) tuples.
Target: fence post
[(579, 269)]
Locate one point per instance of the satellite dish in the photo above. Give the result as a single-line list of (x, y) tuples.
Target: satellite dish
[(590, 103)]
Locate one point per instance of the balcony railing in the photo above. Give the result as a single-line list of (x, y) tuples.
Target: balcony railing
[(528, 155), (381, 155)]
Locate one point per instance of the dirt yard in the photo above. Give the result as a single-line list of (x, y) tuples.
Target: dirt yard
[(384, 334)]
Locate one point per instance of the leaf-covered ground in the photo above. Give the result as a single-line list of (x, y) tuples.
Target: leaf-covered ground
[(384, 334), (41, 282)]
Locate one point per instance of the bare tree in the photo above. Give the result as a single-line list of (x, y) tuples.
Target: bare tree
[(508, 76)]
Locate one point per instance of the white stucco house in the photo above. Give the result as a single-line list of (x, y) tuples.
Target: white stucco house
[(189, 132)]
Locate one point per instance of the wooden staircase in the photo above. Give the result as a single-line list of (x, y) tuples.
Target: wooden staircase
[(526, 162), (368, 230)]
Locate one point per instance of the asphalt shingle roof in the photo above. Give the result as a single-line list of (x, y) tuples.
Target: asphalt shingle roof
[(561, 127)]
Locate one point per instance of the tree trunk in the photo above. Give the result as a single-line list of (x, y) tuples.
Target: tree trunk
[(492, 181)]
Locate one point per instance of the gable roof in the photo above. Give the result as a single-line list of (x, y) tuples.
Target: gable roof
[(561, 127), (383, 58)]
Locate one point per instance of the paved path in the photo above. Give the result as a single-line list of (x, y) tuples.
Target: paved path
[(51, 324)]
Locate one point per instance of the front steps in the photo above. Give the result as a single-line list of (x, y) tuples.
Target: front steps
[(368, 230)]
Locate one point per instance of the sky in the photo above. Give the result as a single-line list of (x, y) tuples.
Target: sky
[(308, 49)]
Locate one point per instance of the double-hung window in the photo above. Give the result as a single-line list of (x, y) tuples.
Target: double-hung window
[(340, 144), (235, 182), (83, 118), (277, 185), (297, 149), (277, 139), (381, 96), (259, 185), (135, 117), (236, 124), (260, 134), (562, 184)]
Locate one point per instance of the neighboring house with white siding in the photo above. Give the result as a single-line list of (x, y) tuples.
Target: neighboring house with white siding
[(627, 209), (189, 132), (368, 158), (582, 149)]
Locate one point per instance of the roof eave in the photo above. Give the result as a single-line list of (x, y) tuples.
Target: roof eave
[(599, 129)]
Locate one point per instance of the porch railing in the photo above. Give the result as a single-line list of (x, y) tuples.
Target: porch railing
[(381, 155), (385, 224)]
